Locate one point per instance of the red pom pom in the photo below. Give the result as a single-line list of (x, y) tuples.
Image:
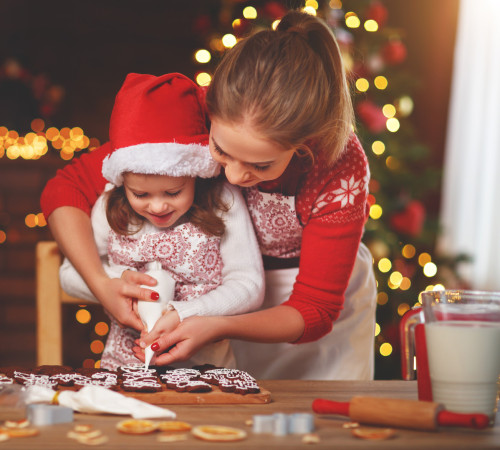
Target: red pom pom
[(274, 10), (202, 24), (377, 12), (241, 27)]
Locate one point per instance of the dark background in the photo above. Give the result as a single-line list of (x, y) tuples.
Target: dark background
[(87, 48)]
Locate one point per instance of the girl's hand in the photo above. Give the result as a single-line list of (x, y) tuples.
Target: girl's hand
[(188, 338), (167, 323)]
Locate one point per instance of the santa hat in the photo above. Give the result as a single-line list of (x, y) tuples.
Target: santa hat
[(158, 126)]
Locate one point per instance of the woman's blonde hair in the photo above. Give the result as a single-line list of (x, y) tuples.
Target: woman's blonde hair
[(203, 212), (289, 84)]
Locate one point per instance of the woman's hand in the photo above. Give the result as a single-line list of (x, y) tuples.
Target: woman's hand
[(119, 296), (72, 229), (188, 338)]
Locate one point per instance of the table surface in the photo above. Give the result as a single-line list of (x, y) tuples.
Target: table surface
[(288, 396)]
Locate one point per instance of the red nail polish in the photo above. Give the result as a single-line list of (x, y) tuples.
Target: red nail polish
[(155, 296), (155, 346)]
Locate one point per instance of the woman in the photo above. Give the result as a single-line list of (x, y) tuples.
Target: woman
[(281, 127)]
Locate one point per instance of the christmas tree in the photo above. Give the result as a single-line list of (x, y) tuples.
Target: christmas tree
[(402, 228)]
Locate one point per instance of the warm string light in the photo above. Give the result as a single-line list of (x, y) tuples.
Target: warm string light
[(35, 144)]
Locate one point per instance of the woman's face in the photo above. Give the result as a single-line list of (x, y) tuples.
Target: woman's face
[(160, 199), (247, 158)]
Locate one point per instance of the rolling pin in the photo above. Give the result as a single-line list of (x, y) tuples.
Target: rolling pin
[(413, 414)]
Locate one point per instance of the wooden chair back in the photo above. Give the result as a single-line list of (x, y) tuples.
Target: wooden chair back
[(49, 300)]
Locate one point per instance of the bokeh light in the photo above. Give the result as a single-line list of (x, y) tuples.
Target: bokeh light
[(352, 20), (101, 328), (96, 346), (380, 82), (382, 298), (309, 10), (249, 12), (202, 56), (385, 349), (430, 269), (378, 147), (384, 265), (375, 211), (393, 124), (402, 308), (408, 251), (371, 25), (83, 316), (229, 40), (362, 84), (389, 110), (203, 79), (424, 258)]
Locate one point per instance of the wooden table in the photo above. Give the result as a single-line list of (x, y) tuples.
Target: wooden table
[(287, 397)]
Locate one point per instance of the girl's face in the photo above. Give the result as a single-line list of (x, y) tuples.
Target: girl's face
[(160, 199), (247, 158)]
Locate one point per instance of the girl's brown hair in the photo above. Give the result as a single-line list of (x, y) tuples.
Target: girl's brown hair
[(203, 212), (289, 84)]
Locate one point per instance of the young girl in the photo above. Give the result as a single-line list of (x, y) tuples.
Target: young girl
[(281, 127), (165, 204)]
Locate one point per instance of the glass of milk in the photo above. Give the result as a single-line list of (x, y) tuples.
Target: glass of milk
[(462, 331)]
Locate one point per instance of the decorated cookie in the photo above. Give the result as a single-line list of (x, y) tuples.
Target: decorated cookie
[(6, 380), (231, 380), (31, 379), (185, 380), (141, 385)]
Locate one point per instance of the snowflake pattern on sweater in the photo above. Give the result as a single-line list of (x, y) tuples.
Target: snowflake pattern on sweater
[(337, 194)]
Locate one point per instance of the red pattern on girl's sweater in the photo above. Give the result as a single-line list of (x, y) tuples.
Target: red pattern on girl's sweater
[(330, 202)]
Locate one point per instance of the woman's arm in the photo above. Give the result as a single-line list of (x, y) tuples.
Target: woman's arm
[(77, 184), (330, 242), (72, 230), (242, 286), (276, 324), (104, 280), (66, 202)]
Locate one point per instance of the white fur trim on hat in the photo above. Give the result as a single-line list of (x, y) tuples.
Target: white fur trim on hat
[(174, 159)]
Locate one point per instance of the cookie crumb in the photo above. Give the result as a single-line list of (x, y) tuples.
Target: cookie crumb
[(310, 438)]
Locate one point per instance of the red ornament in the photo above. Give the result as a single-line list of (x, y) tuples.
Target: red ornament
[(202, 24), (371, 115), (394, 52), (377, 12), (391, 334), (274, 10), (406, 269), (411, 220), (241, 27)]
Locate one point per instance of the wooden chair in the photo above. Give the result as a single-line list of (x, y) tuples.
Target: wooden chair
[(49, 300)]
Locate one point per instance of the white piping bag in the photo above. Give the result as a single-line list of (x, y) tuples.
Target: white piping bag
[(150, 312)]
